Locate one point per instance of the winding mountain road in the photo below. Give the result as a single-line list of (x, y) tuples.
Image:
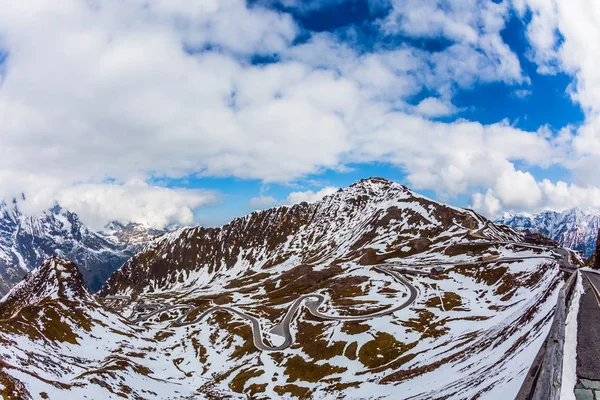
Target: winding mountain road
[(313, 302)]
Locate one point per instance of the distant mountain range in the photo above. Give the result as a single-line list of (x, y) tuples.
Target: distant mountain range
[(574, 228), (26, 241)]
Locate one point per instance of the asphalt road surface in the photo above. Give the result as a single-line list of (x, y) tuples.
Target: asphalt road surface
[(588, 333), (312, 302)]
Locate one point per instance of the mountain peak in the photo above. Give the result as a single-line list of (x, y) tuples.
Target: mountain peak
[(373, 180), (130, 233), (113, 226), (28, 238), (375, 186), (576, 212), (55, 279), (370, 214)]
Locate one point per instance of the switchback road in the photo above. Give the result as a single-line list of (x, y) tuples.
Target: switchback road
[(312, 302)]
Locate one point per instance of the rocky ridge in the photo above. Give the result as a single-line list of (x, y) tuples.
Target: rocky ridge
[(372, 220)]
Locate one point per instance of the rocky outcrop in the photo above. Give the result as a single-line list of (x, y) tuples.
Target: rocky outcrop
[(55, 279)]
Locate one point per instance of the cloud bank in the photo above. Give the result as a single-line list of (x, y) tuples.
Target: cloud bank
[(308, 196), (95, 96)]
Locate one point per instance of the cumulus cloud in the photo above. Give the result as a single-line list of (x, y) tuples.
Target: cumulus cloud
[(309, 196), (472, 26), (142, 104), (126, 91), (542, 32), (453, 157), (536, 197), (518, 190), (434, 107), (135, 201), (486, 203), (261, 202), (138, 202), (563, 38)]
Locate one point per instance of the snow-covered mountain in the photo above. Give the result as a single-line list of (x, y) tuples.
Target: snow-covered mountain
[(574, 228), (26, 241), (469, 332), (131, 235)]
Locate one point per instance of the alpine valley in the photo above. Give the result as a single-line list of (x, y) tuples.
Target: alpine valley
[(373, 292)]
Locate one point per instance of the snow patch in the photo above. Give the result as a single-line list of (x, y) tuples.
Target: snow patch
[(569, 376)]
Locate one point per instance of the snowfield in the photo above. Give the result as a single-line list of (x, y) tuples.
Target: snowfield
[(483, 346)]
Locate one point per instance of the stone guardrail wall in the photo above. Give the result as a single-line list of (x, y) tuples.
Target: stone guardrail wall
[(547, 381)]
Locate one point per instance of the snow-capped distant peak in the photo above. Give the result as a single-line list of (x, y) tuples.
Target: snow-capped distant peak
[(27, 240), (572, 228)]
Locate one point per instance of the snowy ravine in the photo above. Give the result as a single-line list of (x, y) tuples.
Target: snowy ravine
[(472, 331)]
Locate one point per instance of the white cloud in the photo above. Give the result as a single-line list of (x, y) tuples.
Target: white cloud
[(452, 157), (309, 196), (518, 190), (135, 201), (261, 202), (398, 73), (536, 197), (478, 52), (564, 38), (486, 204), (108, 92), (563, 196), (523, 93), (542, 32), (138, 202), (434, 107)]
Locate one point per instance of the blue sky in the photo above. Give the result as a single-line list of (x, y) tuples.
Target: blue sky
[(544, 101), (168, 113)]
